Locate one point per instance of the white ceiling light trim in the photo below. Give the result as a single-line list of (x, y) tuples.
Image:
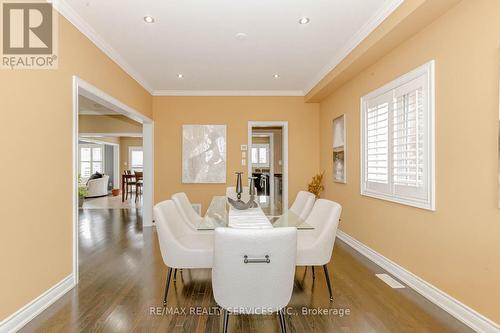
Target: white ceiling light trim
[(65, 10), (228, 93), (365, 30)]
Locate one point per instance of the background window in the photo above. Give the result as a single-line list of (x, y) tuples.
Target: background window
[(398, 140), (91, 160), (260, 155), (135, 158)]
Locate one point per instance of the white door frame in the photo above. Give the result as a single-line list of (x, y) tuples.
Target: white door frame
[(271, 160), (81, 87), (284, 126)]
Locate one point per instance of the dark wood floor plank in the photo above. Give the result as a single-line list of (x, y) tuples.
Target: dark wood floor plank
[(122, 277)]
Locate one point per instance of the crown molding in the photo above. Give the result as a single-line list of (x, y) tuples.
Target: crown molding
[(74, 18), (360, 35), (228, 93)]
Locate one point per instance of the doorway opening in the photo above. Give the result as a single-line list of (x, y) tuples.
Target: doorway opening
[(101, 152), (268, 163)]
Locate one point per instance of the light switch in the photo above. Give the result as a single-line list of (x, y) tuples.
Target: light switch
[(243, 162), (243, 154)]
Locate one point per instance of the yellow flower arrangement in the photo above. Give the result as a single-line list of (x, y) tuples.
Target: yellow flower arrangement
[(316, 185)]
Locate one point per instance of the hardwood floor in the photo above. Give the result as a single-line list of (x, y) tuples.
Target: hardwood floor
[(122, 277)]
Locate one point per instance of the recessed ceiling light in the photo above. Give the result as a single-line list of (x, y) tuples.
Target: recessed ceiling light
[(149, 19), (304, 20), (276, 76), (180, 76), (241, 36)]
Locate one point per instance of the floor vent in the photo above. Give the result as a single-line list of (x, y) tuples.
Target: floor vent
[(390, 281)]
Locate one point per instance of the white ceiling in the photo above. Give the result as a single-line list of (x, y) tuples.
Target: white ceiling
[(197, 38), (86, 106)]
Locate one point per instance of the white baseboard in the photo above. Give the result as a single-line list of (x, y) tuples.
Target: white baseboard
[(462, 312), (24, 315)]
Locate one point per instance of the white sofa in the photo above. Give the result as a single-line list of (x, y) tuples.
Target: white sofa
[(98, 187)]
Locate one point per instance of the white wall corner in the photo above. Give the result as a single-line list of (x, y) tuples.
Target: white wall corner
[(21, 317), (460, 311)]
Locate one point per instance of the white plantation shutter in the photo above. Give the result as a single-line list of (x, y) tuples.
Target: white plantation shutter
[(398, 152), (377, 145)]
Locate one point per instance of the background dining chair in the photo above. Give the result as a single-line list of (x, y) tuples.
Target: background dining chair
[(186, 209), (253, 270), (138, 184), (315, 247), (231, 193), (180, 246), (129, 183), (303, 204)]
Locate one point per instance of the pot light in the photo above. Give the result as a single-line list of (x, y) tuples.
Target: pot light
[(180, 76), (276, 76), (304, 20), (149, 19), (241, 36)]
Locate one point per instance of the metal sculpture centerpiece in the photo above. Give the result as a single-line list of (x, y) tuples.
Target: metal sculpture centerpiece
[(240, 204)]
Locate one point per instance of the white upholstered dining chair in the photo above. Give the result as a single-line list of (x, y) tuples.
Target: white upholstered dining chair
[(315, 247), (303, 204), (180, 246), (186, 209), (253, 271)]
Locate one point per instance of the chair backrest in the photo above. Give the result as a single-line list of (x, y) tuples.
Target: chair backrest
[(128, 172), (303, 204), (254, 287), (231, 193), (324, 218), (170, 227), (138, 175), (186, 209)]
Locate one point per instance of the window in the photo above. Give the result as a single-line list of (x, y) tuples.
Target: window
[(398, 140), (260, 155), (135, 156), (91, 160)]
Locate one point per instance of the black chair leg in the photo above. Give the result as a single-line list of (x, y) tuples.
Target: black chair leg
[(314, 275), (282, 321), (175, 274), (169, 273), (226, 320), (327, 277)]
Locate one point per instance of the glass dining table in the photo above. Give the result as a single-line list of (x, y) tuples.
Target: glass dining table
[(220, 214)]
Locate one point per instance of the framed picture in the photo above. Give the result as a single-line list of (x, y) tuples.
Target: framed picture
[(204, 153)]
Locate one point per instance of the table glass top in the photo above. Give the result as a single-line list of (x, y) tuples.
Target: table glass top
[(218, 216)]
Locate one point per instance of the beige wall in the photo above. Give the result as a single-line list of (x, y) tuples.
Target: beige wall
[(108, 124), (125, 143), (170, 113), (36, 107), (457, 247)]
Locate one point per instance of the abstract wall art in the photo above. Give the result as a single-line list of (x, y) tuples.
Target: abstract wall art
[(204, 153)]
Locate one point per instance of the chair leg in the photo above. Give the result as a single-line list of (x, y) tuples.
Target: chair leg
[(175, 274), (226, 320), (314, 275), (169, 273), (327, 277), (282, 321)]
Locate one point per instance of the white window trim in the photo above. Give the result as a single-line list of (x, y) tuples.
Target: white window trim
[(90, 145), (268, 157), (130, 149), (427, 69)]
